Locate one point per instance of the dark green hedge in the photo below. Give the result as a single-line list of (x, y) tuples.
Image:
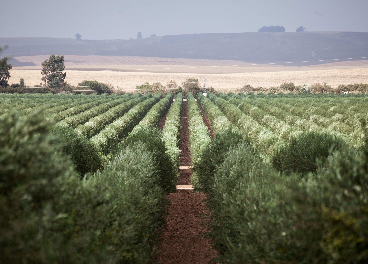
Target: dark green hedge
[(84, 154), (49, 215), (164, 167), (303, 152), (260, 216), (214, 155)]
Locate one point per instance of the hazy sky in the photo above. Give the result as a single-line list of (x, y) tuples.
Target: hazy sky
[(122, 19)]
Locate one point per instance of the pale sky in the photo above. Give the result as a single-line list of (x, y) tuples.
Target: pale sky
[(122, 19)]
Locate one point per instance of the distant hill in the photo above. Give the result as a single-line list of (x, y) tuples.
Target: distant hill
[(265, 47)]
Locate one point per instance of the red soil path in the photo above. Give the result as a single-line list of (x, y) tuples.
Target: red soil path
[(183, 239)]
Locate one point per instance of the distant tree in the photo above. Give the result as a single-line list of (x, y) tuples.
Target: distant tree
[(301, 29), (172, 85), (153, 35), (272, 29), (52, 71), (21, 83), (78, 37), (191, 85), (139, 35), (5, 67)]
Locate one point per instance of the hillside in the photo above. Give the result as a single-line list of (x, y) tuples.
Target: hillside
[(314, 47)]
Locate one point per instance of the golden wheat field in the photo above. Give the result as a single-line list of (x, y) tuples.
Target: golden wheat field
[(125, 73)]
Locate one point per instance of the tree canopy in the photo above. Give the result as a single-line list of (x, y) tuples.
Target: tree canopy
[(301, 29), (5, 67), (272, 29), (52, 71)]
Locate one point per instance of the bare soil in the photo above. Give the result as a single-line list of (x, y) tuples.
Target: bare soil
[(183, 239), (207, 122), (161, 124), (125, 73)]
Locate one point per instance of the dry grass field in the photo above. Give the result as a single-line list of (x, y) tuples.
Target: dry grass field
[(125, 73)]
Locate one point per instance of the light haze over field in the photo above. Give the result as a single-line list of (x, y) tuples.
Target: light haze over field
[(123, 19)]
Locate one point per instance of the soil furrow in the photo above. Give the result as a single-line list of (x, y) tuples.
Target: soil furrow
[(207, 122), (183, 238)]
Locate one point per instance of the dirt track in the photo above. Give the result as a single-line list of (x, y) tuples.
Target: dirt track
[(183, 238)]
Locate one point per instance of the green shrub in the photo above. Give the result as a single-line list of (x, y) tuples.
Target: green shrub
[(108, 138), (24, 144), (32, 172), (155, 114), (151, 138), (241, 187), (84, 154), (320, 88), (289, 87), (130, 208), (213, 156), (23, 90), (218, 120), (324, 216), (262, 217), (100, 88), (198, 131), (171, 130), (303, 152), (48, 215)]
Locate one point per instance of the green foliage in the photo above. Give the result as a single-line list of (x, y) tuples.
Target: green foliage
[(353, 88), (262, 217), (83, 153), (290, 87), (155, 114), (303, 152), (21, 83), (83, 117), (151, 138), (131, 205), (52, 71), (241, 184), (108, 138), (145, 87), (154, 87), (97, 123), (24, 143), (20, 90), (100, 88), (5, 67), (198, 131), (214, 155), (48, 215), (171, 130), (218, 120), (320, 88)]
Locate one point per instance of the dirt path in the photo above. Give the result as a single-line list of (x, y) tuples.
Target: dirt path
[(207, 122), (183, 238)]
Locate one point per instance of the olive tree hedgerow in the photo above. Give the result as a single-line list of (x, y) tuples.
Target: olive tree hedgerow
[(52, 71)]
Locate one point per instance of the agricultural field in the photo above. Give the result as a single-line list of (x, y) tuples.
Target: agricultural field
[(125, 73), (90, 178)]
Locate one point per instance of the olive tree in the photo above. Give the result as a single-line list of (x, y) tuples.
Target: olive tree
[(5, 67), (52, 71)]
